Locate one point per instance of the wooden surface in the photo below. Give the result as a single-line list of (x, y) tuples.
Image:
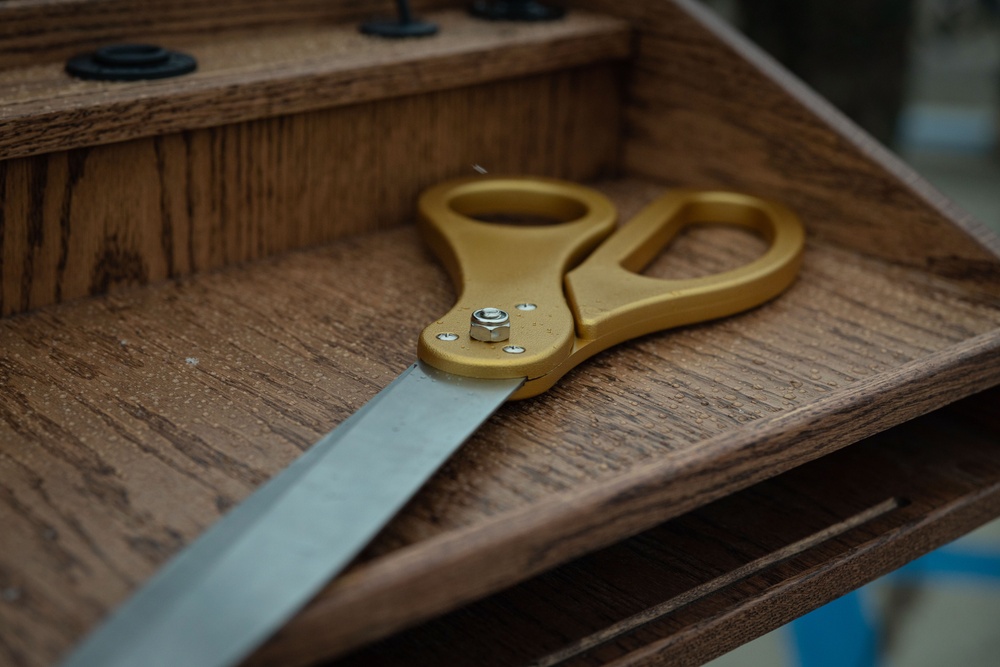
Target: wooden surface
[(286, 70), (706, 108), (697, 586), (40, 31), (130, 422), (84, 221), (701, 108)]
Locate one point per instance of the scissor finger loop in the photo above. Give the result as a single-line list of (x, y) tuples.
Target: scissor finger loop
[(610, 297)]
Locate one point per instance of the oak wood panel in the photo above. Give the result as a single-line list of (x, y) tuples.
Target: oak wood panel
[(129, 422), (690, 589), (707, 108), (249, 75), (38, 31), (80, 222)]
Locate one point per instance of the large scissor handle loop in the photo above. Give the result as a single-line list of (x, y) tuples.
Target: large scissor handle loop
[(502, 266), (611, 300)]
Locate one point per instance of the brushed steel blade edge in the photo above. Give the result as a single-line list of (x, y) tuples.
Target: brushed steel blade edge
[(248, 574)]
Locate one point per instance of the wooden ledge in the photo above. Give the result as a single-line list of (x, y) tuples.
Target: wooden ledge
[(264, 73), (131, 422), (37, 31), (704, 583)]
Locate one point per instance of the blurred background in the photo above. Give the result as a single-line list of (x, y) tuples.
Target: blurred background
[(923, 77)]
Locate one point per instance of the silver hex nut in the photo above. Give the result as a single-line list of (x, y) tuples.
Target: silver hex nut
[(490, 325)]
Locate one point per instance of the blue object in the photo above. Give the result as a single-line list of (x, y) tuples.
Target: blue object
[(953, 565), (836, 635), (840, 634)]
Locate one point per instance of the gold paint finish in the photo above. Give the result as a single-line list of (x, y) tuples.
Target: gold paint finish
[(604, 300)]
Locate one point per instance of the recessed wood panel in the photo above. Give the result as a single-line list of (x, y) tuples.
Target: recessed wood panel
[(80, 222)]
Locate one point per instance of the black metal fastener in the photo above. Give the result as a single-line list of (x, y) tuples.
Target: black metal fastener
[(402, 26), (515, 10), (130, 62)]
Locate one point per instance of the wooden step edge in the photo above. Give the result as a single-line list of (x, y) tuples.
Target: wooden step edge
[(430, 578), (38, 31), (811, 588), (697, 586), (269, 72)]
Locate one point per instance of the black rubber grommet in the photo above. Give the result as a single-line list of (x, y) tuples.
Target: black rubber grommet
[(130, 62), (394, 28), (515, 10)]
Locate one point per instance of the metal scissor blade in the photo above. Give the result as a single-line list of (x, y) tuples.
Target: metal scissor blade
[(253, 570)]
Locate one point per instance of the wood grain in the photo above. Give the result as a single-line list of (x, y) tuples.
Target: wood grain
[(688, 590), (130, 422), (706, 108), (80, 222), (41, 31), (289, 70)]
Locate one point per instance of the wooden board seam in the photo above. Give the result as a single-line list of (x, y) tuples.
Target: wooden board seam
[(790, 594)]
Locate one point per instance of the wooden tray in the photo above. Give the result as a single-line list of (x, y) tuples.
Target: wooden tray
[(131, 421), (697, 586)]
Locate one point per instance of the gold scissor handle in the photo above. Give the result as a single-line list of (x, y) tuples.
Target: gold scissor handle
[(613, 302), (496, 265), (558, 319)]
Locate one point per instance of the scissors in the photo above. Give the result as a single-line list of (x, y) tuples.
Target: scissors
[(534, 301)]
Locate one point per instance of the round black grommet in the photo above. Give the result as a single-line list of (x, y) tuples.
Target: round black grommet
[(515, 10), (130, 62), (405, 25)]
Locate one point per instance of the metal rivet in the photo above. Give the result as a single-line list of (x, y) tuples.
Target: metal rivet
[(513, 349), (447, 336), (526, 306)]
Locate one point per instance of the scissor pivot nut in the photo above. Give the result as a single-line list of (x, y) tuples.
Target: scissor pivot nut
[(490, 325)]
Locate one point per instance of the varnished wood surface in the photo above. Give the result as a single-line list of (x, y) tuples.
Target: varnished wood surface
[(81, 222), (40, 31), (249, 75), (710, 580), (130, 422), (702, 108), (706, 108)]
